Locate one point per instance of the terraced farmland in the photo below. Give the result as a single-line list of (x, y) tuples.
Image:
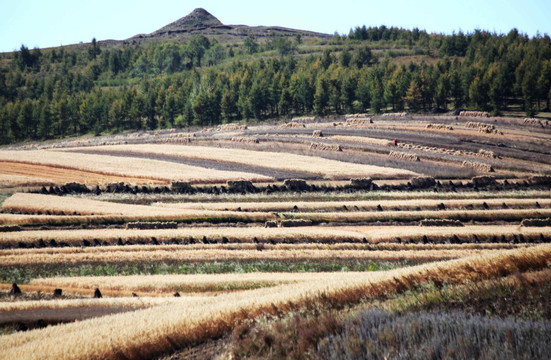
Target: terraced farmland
[(165, 244)]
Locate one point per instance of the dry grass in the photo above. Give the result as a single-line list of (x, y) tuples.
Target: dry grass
[(143, 169), (78, 209), (242, 237), (463, 215), (361, 140), (116, 302), (168, 284), (81, 208), (36, 174), (332, 169), (150, 332), (21, 257), (233, 234), (10, 180), (356, 205)]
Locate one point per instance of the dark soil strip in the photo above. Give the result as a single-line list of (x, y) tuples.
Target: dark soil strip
[(209, 164)]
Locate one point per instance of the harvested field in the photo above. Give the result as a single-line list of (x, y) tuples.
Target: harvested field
[(118, 255), (250, 224), (78, 208), (327, 168), (361, 140), (36, 174), (145, 332), (511, 215), (357, 205), (121, 167), (209, 164), (235, 236)]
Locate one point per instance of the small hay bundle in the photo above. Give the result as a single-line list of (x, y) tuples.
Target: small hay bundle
[(474, 114), (328, 147), (478, 166), (404, 156)]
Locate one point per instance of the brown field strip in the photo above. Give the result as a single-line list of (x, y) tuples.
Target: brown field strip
[(147, 169), (306, 234), (150, 332), (332, 169), (61, 175)]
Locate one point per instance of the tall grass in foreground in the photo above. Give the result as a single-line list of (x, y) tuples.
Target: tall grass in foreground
[(378, 334), (146, 333)]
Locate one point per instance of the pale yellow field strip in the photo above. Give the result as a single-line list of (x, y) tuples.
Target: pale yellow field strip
[(464, 215), (245, 234), (172, 283), (360, 139), (332, 169), (35, 203), (404, 204), (149, 332), (130, 302), (21, 180), (313, 234), (61, 175), (127, 166), (116, 255)]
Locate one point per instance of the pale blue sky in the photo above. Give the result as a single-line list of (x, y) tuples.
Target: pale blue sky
[(46, 23)]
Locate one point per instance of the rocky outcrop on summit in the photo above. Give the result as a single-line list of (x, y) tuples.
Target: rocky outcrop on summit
[(198, 19), (201, 22)]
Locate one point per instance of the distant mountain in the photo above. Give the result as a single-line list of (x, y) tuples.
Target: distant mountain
[(201, 22)]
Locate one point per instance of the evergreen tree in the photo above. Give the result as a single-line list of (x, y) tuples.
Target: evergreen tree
[(413, 97)]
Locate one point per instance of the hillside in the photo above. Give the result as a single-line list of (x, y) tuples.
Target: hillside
[(197, 71)]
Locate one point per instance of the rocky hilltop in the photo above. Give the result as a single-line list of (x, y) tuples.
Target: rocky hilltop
[(201, 22), (198, 19)]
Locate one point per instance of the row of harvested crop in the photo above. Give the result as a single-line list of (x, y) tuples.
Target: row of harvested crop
[(433, 234)]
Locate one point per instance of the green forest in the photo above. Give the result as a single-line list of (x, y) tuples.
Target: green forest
[(94, 89)]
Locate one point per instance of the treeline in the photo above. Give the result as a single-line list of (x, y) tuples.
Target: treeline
[(69, 91)]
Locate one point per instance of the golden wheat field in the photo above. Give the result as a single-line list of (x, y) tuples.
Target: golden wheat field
[(330, 169), (167, 244), (101, 167), (148, 332)]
